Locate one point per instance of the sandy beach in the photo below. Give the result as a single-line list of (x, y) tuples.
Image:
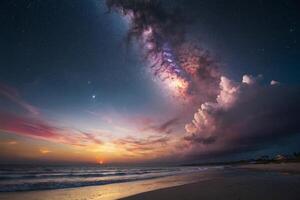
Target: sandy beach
[(263, 182), (239, 188)]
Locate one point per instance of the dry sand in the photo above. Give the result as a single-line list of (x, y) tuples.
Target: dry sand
[(232, 188)]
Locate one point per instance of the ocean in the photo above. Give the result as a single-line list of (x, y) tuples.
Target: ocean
[(30, 178)]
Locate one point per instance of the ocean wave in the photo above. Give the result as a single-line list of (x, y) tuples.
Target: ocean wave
[(59, 178)]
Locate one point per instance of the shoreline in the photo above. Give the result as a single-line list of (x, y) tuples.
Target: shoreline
[(251, 181), (110, 191), (259, 185), (242, 188)]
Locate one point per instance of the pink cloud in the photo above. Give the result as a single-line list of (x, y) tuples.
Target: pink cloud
[(165, 127), (91, 137), (32, 125), (27, 126), (145, 145), (40, 129)]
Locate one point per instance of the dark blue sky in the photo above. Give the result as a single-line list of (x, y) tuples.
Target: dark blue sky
[(62, 52)]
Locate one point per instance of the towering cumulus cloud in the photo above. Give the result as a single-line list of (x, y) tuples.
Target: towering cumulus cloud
[(243, 116), (186, 70), (204, 122)]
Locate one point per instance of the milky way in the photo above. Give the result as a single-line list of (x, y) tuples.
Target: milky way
[(188, 71)]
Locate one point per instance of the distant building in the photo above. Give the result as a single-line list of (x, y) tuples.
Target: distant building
[(280, 157)]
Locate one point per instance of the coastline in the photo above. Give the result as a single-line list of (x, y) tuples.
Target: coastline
[(244, 182), (110, 191), (242, 188), (260, 185)]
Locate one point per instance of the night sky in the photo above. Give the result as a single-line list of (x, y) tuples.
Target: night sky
[(73, 88)]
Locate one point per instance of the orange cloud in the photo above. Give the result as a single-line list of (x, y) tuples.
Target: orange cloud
[(12, 142), (45, 151), (150, 146)]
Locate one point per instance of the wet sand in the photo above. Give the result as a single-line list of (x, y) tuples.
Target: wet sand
[(275, 187)]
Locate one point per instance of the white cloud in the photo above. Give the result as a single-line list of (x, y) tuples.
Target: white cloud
[(273, 82)]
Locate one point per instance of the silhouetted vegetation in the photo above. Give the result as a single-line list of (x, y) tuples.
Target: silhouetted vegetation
[(264, 159)]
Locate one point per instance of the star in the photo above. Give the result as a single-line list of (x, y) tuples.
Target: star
[(93, 96)]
